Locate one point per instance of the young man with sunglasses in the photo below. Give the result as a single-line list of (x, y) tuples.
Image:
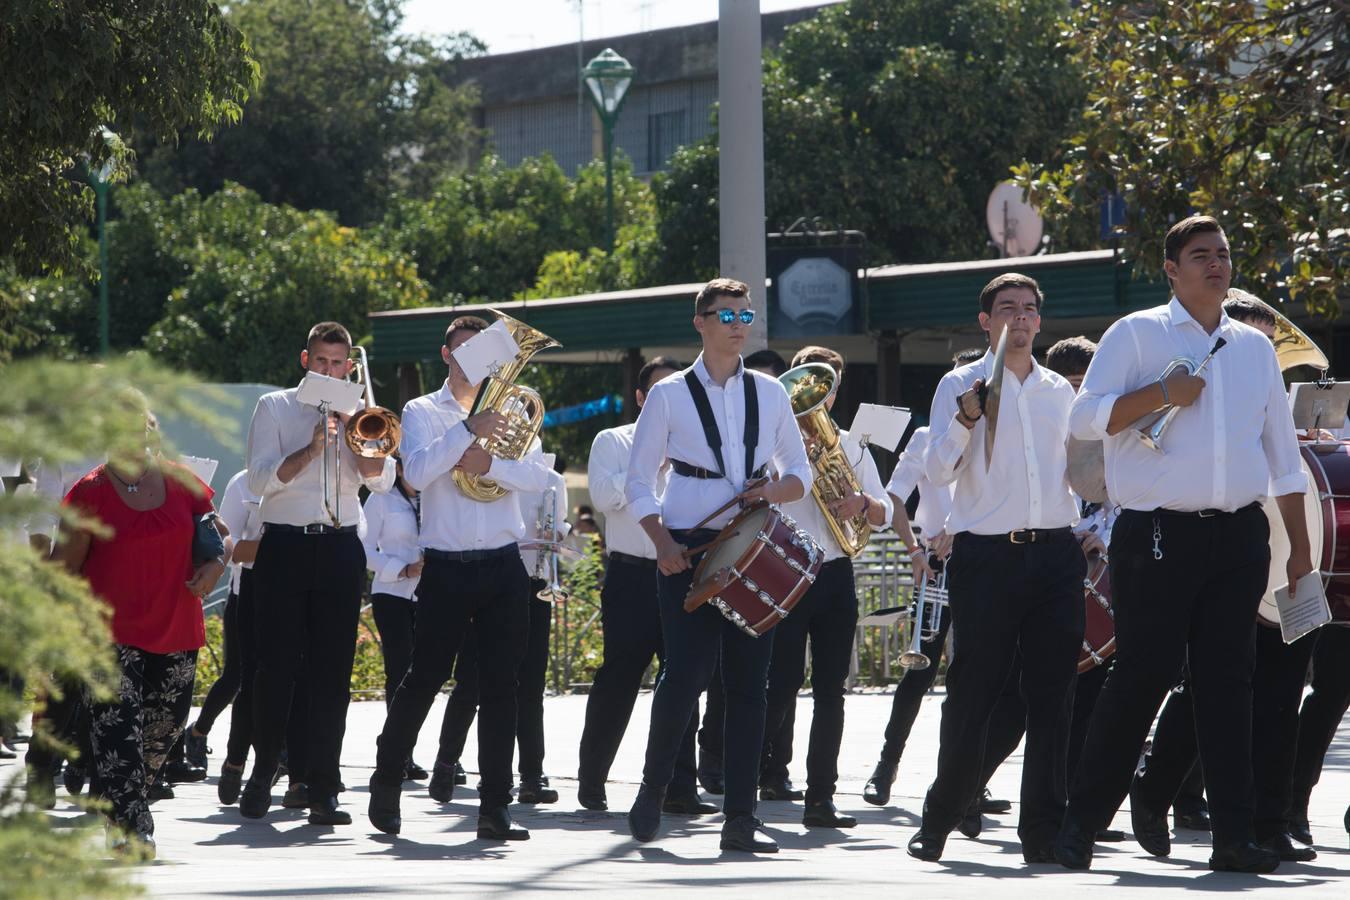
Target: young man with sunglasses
[(750, 417)]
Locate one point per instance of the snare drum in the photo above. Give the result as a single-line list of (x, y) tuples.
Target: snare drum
[(760, 567), (1099, 637), (1328, 512)]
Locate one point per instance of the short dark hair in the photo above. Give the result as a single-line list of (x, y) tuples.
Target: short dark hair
[(767, 359), (967, 356), (818, 354), (1180, 234), (1248, 308), (719, 287), (653, 365), (464, 323), (1070, 356), (328, 333), (1005, 281)]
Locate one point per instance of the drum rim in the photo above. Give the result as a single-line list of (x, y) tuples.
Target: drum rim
[(703, 589)]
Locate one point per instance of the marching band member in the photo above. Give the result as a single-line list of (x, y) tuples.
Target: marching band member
[(309, 574), (1190, 549), (828, 614), (473, 582), (1015, 577), (750, 416), (630, 619)]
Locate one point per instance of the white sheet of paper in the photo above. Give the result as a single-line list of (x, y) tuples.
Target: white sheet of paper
[(485, 351), (1318, 406), (9, 468), (1306, 611), (341, 395), (880, 426), (203, 468)]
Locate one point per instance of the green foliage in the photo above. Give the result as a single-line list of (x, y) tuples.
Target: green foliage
[(41, 862), (687, 215), (1236, 109), (349, 110), (577, 648), (67, 69)]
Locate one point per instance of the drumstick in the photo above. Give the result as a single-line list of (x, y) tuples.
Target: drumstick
[(690, 554)]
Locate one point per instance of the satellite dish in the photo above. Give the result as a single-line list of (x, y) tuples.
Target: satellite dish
[(1014, 226)]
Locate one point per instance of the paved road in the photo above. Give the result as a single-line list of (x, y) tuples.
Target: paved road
[(207, 851)]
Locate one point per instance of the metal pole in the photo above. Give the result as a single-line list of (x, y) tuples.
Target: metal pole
[(101, 193), (608, 124)]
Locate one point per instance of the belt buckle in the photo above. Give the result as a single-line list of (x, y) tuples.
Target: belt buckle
[(314, 529), (1208, 513), (1013, 537)]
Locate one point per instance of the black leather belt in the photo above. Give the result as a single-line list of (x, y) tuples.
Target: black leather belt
[(464, 556), (309, 529), (1024, 535), (688, 471), (641, 562), (1198, 513)]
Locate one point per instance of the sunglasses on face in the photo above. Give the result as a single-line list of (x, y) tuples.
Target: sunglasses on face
[(727, 316)]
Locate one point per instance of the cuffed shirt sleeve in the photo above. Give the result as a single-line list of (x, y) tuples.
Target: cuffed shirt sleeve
[(426, 458), (648, 454), (1108, 377), (265, 453), (607, 474), (1279, 440), (947, 439)]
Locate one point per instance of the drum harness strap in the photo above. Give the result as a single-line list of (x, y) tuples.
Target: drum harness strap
[(710, 432)]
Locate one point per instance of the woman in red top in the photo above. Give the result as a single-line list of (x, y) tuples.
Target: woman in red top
[(143, 570)]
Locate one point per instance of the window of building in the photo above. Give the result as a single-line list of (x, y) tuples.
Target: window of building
[(666, 133)]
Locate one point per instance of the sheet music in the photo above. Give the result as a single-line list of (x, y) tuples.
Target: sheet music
[(203, 468), (486, 351), (341, 395), (880, 426), (1306, 611)]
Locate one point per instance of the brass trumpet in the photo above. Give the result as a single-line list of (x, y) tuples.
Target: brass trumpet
[(930, 601), (1154, 425)]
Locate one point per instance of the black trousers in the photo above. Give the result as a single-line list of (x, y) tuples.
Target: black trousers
[(693, 643), (711, 739), (828, 615), (530, 680), (1195, 606), (396, 621), (631, 623), (1321, 714), (1277, 690), (1085, 694), (65, 719), (1007, 598), (909, 693), (308, 604), (246, 651), (487, 599)]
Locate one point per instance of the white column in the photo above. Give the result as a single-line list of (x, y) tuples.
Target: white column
[(740, 93)]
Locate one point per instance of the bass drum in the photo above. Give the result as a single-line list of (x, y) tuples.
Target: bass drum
[(1327, 506)]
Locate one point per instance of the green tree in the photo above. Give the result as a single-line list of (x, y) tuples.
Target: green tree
[(687, 215), (1237, 109), (349, 111), (67, 69)]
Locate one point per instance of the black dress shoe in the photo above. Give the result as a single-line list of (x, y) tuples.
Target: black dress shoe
[(74, 777), (779, 789), (1246, 857), (1073, 846), (1038, 855), (383, 810), (180, 771), (971, 824), (496, 825), (877, 791), (1299, 829), (461, 777), (822, 814), (1196, 820), (927, 845), (1110, 836), (296, 796), (592, 797), (1150, 828), (413, 772), (227, 788), (688, 805), (443, 781), (988, 804), (1288, 851), (325, 811), (739, 834), (194, 748), (159, 790), (41, 789), (644, 819), (257, 797), (536, 790), (712, 783)]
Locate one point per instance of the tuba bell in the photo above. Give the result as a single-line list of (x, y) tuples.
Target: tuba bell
[(521, 406), (1292, 346), (808, 387)]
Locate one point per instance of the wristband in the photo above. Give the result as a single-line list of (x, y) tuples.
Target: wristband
[(916, 550), (1162, 384), (867, 504)]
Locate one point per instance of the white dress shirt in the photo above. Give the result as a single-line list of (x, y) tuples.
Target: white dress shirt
[(52, 482), (282, 425), (807, 512), (241, 511), (669, 428), (935, 503), (607, 473), (1026, 485), (434, 438), (390, 542), (533, 511), (1230, 448)]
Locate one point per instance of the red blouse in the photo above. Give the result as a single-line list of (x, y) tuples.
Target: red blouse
[(142, 569)]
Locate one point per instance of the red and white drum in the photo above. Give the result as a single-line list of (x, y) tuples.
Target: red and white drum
[(1099, 636), (1327, 505), (760, 567)]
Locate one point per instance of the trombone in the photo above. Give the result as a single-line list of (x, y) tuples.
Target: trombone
[(930, 602), (372, 432)]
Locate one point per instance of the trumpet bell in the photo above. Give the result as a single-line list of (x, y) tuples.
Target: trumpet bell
[(914, 661)]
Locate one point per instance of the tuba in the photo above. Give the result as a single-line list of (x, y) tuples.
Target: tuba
[(373, 432), (1292, 346), (522, 407), (808, 387)]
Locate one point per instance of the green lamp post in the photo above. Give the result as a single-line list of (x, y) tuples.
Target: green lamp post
[(608, 78), (100, 181)]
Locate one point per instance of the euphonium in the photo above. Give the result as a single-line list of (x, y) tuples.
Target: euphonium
[(373, 432), (522, 407), (808, 387)]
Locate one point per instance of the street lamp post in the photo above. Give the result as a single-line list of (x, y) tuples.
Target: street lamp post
[(608, 78), (100, 181)]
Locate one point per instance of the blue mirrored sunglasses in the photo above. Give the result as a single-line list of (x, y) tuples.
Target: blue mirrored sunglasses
[(727, 316)]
